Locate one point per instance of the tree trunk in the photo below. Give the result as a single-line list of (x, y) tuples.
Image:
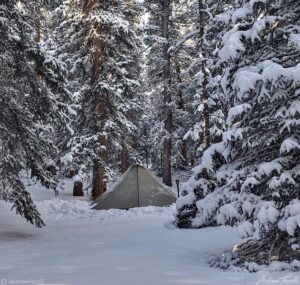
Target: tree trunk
[(192, 160), (146, 148), (167, 145), (161, 164), (206, 132), (96, 43), (78, 189), (180, 105), (184, 153), (99, 173), (99, 180), (179, 91), (124, 159), (146, 155)]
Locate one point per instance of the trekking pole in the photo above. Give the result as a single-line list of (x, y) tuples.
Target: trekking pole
[(177, 182)]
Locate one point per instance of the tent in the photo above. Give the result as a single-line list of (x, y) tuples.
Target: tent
[(137, 187)]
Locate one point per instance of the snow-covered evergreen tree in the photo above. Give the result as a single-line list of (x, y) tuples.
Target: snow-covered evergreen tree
[(30, 81), (182, 52), (159, 74), (178, 61), (251, 177), (208, 98), (189, 49), (102, 57), (207, 43)]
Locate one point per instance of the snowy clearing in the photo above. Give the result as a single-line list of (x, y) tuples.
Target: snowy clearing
[(82, 246)]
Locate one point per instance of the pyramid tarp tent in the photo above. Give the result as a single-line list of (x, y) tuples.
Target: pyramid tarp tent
[(137, 187)]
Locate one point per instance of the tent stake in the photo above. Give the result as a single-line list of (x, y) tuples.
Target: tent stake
[(177, 182)]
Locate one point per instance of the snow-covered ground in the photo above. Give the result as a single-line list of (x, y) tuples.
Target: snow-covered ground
[(115, 247)]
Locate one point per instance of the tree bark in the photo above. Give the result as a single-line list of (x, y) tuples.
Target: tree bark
[(100, 109), (99, 173), (78, 189), (179, 91), (146, 147), (167, 144), (206, 131), (124, 159), (184, 153), (99, 180)]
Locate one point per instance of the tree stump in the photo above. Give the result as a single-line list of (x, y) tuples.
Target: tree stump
[(78, 189)]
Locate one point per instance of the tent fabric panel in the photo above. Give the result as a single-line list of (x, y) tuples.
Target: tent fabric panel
[(136, 188), (152, 192), (123, 196)]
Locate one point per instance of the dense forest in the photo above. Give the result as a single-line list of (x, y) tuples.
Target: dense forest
[(89, 87)]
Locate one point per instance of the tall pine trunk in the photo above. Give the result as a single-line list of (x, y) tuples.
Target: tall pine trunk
[(206, 132), (180, 105), (100, 109), (99, 173), (167, 144), (99, 179)]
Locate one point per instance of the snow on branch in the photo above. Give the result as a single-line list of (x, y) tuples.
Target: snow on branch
[(186, 37)]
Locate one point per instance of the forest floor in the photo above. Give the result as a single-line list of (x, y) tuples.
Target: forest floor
[(135, 247)]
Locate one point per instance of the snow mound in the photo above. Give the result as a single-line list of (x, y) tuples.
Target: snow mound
[(59, 208), (56, 209)]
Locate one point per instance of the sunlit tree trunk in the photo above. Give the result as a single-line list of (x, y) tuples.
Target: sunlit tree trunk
[(96, 45), (206, 132)]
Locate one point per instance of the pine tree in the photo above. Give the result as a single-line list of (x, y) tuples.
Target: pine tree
[(102, 59), (251, 177), (207, 83), (209, 108), (182, 56), (159, 73), (198, 111), (29, 85)]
